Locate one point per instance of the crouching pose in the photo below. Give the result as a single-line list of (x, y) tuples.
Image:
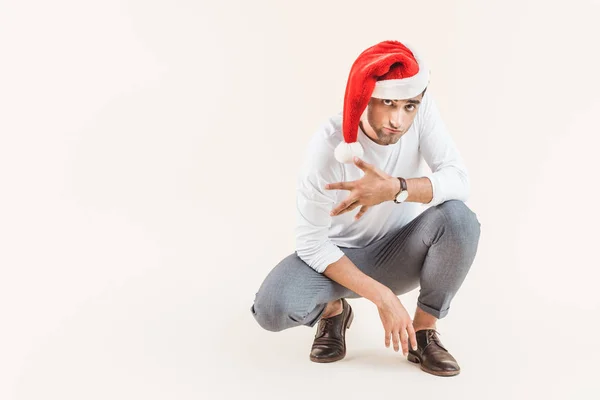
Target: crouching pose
[(380, 211)]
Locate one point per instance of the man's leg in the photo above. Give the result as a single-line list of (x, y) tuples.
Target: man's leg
[(423, 320), (294, 294), (440, 244), (434, 251)]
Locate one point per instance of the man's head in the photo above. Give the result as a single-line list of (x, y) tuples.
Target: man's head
[(388, 70), (385, 121)]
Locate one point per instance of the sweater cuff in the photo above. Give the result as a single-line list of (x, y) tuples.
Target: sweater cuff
[(319, 260), (330, 258)]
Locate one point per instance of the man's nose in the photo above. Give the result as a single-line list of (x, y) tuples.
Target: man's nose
[(397, 119)]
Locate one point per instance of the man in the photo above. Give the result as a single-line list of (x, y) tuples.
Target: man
[(362, 229)]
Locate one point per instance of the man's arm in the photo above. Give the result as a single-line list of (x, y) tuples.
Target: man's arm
[(376, 187), (345, 272), (420, 190), (313, 205), (397, 324)]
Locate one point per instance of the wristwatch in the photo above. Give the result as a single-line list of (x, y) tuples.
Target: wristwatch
[(402, 195)]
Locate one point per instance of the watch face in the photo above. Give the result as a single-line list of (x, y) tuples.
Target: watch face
[(403, 195)]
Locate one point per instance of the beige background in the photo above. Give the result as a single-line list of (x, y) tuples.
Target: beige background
[(148, 154)]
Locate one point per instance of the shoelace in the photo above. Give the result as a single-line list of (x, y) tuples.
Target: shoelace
[(431, 334), (327, 322), (432, 338)]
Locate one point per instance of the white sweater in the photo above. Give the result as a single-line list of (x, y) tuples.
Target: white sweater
[(425, 150)]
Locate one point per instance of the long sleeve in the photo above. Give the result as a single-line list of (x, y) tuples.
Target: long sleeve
[(449, 176), (313, 205)]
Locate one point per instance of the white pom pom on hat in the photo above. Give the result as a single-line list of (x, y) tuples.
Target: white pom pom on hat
[(345, 152), (388, 70)]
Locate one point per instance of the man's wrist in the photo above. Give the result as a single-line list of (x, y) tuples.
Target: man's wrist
[(381, 293), (394, 184)]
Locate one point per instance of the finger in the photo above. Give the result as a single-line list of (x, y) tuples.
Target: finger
[(412, 336), (350, 207), (387, 338), (404, 340), (396, 339), (363, 209), (362, 164), (340, 186), (343, 205)]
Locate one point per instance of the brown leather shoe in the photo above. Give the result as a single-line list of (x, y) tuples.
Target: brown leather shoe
[(432, 355), (330, 340)]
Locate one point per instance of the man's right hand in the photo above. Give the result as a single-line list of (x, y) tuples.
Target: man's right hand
[(396, 322), (395, 319)]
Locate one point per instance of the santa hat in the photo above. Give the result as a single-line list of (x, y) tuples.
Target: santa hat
[(388, 70)]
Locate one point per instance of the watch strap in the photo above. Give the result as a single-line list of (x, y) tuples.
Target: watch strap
[(403, 187)]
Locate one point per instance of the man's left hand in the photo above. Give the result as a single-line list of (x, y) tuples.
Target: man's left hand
[(372, 189)]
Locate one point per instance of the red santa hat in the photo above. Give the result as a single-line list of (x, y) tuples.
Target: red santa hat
[(388, 70)]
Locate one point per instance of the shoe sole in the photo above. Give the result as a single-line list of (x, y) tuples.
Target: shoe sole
[(414, 359), (341, 356)]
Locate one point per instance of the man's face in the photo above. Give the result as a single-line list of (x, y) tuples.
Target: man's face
[(388, 120)]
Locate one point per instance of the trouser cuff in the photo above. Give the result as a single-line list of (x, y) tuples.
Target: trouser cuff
[(430, 310)]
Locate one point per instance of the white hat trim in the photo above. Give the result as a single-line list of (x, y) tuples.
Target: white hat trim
[(398, 89)]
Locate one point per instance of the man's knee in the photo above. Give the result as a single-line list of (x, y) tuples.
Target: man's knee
[(460, 221), (267, 314), (275, 311)]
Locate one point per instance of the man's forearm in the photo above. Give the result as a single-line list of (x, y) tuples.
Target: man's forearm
[(420, 190), (348, 275)]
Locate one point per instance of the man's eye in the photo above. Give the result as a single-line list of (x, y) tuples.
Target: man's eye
[(412, 107), (387, 102)]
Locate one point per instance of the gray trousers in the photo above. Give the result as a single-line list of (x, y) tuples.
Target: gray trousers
[(434, 251)]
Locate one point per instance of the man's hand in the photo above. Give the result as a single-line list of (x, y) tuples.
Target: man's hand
[(372, 189), (396, 323)]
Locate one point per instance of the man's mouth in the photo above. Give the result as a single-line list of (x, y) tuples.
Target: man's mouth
[(392, 130)]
